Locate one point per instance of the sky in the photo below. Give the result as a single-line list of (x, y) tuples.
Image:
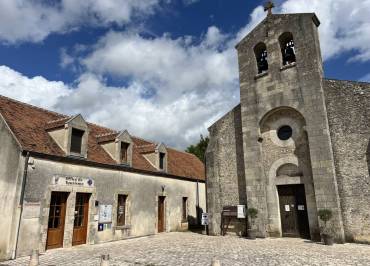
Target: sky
[(165, 70)]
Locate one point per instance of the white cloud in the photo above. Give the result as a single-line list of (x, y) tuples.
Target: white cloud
[(25, 20), (366, 78), (36, 90), (190, 2), (345, 25), (176, 87)]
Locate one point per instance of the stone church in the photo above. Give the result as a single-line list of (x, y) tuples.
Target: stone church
[(297, 142), (66, 182)]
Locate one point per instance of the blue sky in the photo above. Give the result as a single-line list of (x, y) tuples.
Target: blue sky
[(163, 69)]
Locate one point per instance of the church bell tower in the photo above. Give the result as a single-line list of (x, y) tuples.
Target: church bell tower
[(286, 140)]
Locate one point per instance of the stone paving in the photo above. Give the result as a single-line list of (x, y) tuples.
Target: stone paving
[(194, 249)]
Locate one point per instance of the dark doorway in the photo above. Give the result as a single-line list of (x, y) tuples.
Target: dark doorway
[(161, 211), (81, 219), (56, 220), (293, 211)]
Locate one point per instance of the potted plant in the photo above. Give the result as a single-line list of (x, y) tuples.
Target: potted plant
[(252, 214), (325, 215)]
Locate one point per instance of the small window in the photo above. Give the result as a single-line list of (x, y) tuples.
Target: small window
[(287, 48), (285, 132), (76, 140), (121, 210), (184, 209), (260, 51), (162, 157), (124, 152)]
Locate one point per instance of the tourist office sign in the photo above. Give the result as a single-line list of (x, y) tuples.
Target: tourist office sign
[(73, 181)]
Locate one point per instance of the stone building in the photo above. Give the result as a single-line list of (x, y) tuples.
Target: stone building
[(64, 182), (296, 143)]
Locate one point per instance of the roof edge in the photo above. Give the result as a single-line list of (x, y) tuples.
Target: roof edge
[(11, 132), (108, 166)]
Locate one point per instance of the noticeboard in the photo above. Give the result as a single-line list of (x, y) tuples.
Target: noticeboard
[(205, 218), (241, 212), (105, 214)]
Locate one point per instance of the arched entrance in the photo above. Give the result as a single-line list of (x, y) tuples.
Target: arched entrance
[(290, 196)]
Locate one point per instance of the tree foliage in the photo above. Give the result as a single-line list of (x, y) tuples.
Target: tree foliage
[(199, 149)]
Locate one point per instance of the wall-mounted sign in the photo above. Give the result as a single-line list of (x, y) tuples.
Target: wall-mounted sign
[(73, 181), (105, 214), (301, 207), (205, 220), (241, 212), (287, 208)]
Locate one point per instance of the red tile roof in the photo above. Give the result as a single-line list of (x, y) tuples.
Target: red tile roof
[(30, 124)]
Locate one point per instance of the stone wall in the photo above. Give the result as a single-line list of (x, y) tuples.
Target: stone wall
[(11, 166), (225, 170), (142, 190), (348, 106)]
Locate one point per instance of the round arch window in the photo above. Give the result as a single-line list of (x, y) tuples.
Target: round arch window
[(285, 132)]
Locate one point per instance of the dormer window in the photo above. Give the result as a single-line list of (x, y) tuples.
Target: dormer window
[(162, 157), (124, 152), (118, 145), (76, 140), (287, 48), (260, 51)]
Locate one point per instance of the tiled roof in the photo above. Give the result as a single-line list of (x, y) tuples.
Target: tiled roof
[(30, 124)]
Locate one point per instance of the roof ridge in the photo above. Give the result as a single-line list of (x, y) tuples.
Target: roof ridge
[(33, 106)]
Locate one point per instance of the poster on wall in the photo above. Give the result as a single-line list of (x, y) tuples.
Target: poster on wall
[(105, 214)]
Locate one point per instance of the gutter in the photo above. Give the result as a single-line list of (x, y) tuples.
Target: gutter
[(21, 200), (83, 161)]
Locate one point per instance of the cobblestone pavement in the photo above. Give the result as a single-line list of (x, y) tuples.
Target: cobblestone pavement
[(194, 249)]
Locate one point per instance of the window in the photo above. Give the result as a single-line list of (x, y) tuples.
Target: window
[(287, 48), (124, 152), (184, 209), (285, 132), (260, 51), (121, 210), (76, 140), (161, 160)]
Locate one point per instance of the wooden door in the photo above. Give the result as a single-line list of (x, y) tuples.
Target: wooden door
[(293, 211), (288, 216), (161, 211), (56, 220), (81, 219)]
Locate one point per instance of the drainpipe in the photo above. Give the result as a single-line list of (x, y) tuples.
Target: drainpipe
[(197, 202), (21, 199)]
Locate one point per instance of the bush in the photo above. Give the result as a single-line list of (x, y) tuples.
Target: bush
[(325, 215), (252, 213)]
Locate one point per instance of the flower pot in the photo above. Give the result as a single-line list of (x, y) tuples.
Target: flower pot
[(327, 239), (252, 234)]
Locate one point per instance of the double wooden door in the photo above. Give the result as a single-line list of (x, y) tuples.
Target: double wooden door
[(293, 211), (81, 217), (56, 220), (161, 211)]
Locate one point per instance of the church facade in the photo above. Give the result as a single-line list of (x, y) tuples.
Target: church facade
[(297, 142), (66, 182)]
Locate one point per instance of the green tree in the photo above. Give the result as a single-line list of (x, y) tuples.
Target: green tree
[(200, 148)]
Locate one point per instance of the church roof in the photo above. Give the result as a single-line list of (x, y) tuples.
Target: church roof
[(29, 124)]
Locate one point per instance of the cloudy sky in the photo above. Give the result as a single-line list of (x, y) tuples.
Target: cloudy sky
[(163, 69)]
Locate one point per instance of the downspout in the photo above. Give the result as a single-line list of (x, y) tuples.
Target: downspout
[(21, 199), (197, 202)]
